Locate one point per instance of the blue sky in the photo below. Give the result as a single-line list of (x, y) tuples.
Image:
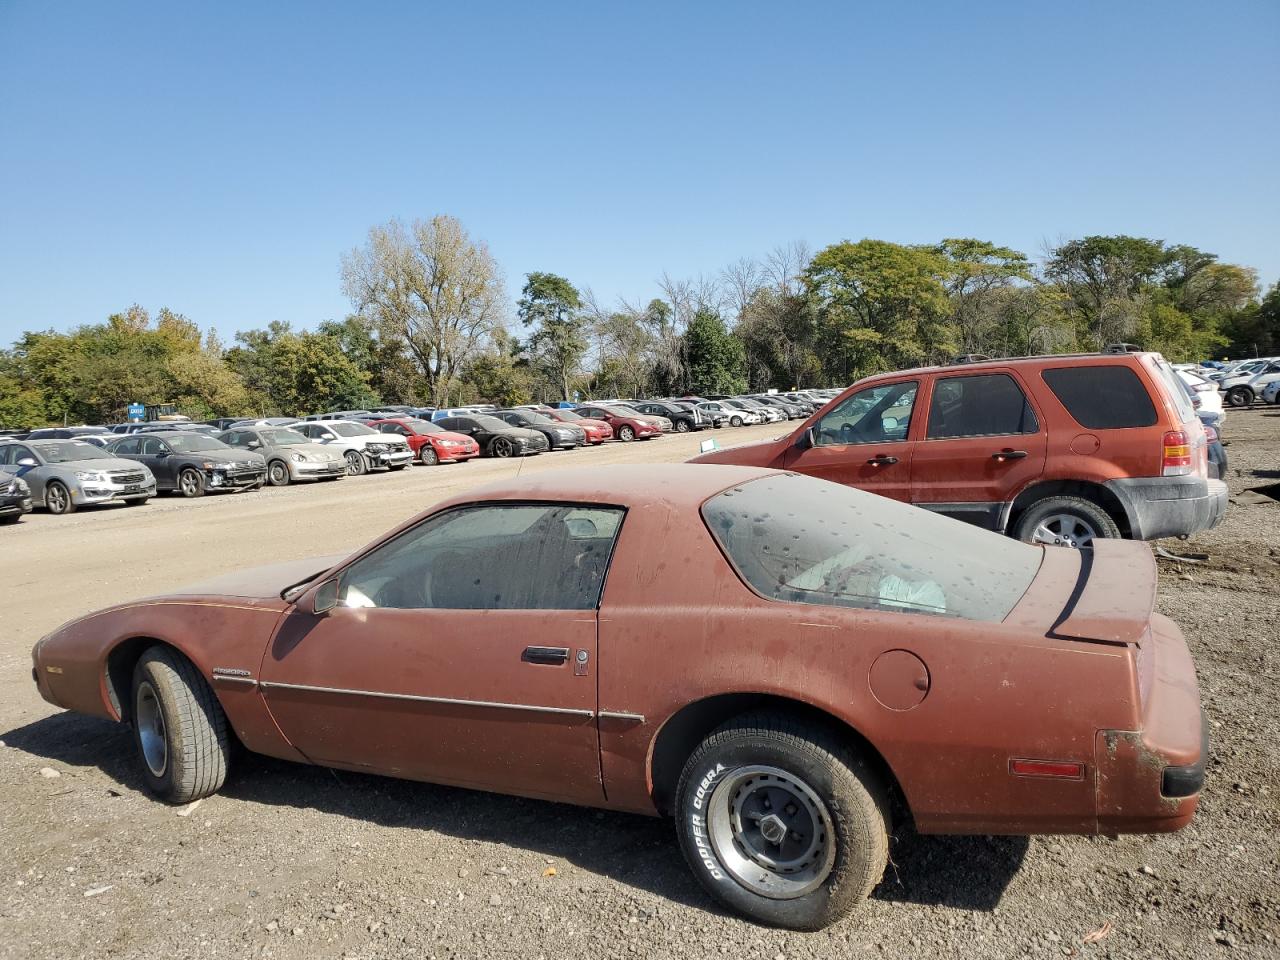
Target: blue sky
[(219, 160)]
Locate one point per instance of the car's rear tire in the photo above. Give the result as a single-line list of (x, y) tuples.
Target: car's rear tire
[(1065, 522), (191, 483), (179, 728), (626, 433), (355, 463), (1240, 396), (57, 499), (427, 456), (782, 822), (278, 473)]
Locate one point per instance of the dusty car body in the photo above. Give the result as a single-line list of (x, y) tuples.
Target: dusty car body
[(678, 631), (64, 475), (291, 457)]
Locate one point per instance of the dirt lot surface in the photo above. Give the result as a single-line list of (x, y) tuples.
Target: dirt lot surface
[(290, 861)]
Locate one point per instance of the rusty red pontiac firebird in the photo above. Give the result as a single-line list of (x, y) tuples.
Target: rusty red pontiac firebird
[(767, 657)]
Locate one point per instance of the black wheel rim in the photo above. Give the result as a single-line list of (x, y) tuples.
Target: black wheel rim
[(502, 447)]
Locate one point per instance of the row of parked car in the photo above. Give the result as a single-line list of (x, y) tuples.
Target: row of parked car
[(1242, 382), (62, 468)]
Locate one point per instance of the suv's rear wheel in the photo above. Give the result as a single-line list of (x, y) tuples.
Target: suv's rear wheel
[(1240, 396), (780, 821), (1065, 522)]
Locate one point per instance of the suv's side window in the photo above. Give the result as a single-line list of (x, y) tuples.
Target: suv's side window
[(508, 557), (880, 414), (982, 405), (1102, 396)]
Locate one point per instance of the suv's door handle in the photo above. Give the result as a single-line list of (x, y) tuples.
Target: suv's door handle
[(1009, 455), (547, 655), (882, 461)]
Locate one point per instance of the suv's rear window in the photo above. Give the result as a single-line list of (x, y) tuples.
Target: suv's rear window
[(804, 540), (1103, 396)]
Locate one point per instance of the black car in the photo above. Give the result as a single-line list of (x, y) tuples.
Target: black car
[(192, 463), (560, 436), (67, 433), (497, 438), (682, 419), (793, 411), (15, 498)]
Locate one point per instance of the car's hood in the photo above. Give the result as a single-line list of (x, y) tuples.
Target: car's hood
[(451, 436), (260, 582), (100, 463)]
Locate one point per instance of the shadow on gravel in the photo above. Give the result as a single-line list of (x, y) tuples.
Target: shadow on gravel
[(969, 873)]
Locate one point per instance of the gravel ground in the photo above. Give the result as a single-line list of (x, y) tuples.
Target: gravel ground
[(297, 862)]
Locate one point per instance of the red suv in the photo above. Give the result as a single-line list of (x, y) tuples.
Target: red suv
[(1052, 450)]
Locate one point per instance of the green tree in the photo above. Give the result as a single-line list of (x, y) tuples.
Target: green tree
[(975, 271), (716, 359), (552, 307), (292, 373)]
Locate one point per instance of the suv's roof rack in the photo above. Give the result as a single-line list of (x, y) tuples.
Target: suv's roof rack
[(1122, 348)]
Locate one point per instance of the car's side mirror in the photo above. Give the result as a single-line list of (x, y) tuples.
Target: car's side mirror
[(325, 597), (254, 444), (806, 439), (26, 462)]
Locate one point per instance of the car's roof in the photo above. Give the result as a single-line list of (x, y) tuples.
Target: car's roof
[(681, 484), (1054, 359)]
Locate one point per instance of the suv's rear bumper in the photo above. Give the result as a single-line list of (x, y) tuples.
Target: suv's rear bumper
[(1170, 506)]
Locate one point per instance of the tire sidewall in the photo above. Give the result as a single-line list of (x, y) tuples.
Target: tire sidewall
[(199, 486), (68, 503), (682, 426), (626, 433), (355, 463), (272, 468), (834, 898), (428, 456), (150, 670), (1103, 526)]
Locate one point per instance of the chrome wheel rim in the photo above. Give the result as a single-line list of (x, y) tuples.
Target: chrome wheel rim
[(771, 832), (149, 719), (428, 456), (1064, 530), (57, 498), (189, 484), (353, 463), (626, 433)]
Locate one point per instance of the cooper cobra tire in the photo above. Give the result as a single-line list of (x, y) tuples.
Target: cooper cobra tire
[(57, 498), (1240, 396), (1062, 521), (278, 473), (355, 463), (179, 729), (834, 821), (191, 483), (626, 433)]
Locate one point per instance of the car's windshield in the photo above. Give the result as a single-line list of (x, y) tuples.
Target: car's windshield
[(529, 416), (344, 429), (804, 540), (283, 438), (623, 410), (65, 451), (569, 415), (489, 423), (193, 442), (424, 426)]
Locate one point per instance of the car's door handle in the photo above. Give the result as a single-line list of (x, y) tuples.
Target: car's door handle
[(547, 655), (1009, 455), (882, 461)]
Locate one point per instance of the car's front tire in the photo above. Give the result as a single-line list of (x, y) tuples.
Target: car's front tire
[(278, 473), (428, 456), (682, 426), (57, 498), (1240, 396), (501, 447), (735, 421), (782, 822), (355, 463), (626, 433), (179, 729), (191, 483)]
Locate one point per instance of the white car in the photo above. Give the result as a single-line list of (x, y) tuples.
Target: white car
[(1242, 390), (1205, 390), (363, 447), (736, 417), (1271, 392)]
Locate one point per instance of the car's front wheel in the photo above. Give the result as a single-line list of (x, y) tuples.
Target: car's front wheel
[(735, 421), (682, 426), (179, 728), (626, 433), (428, 456), (501, 447), (191, 483), (278, 473), (57, 498), (355, 463), (1240, 396), (782, 822)]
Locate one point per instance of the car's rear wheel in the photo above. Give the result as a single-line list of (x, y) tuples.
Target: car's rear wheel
[(626, 433), (179, 728), (355, 463), (191, 483), (57, 498), (501, 447), (735, 421), (278, 473), (428, 456), (782, 822), (1240, 396), (1065, 522)]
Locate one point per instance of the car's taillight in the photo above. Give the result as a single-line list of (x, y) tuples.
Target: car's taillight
[(1210, 434), (1177, 454)]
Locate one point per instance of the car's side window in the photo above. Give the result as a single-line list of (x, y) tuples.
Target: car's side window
[(129, 446), (151, 447), (982, 405), (879, 414), (492, 557)]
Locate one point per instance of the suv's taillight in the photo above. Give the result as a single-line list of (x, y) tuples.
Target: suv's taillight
[(1177, 454)]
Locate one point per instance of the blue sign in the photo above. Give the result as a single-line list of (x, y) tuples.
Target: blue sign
[(137, 411)]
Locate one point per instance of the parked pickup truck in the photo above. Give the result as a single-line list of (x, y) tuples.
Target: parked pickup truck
[(1055, 450)]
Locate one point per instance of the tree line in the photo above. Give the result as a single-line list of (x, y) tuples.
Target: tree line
[(431, 324)]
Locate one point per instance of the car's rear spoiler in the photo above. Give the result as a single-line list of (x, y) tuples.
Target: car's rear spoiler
[(1116, 593)]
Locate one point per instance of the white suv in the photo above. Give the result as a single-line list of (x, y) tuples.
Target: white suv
[(363, 447)]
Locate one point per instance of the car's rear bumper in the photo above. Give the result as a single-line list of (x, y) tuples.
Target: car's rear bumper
[(1170, 506), (1149, 780)]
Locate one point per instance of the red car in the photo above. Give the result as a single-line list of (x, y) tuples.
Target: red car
[(627, 424), (775, 661), (597, 431), (430, 442)]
